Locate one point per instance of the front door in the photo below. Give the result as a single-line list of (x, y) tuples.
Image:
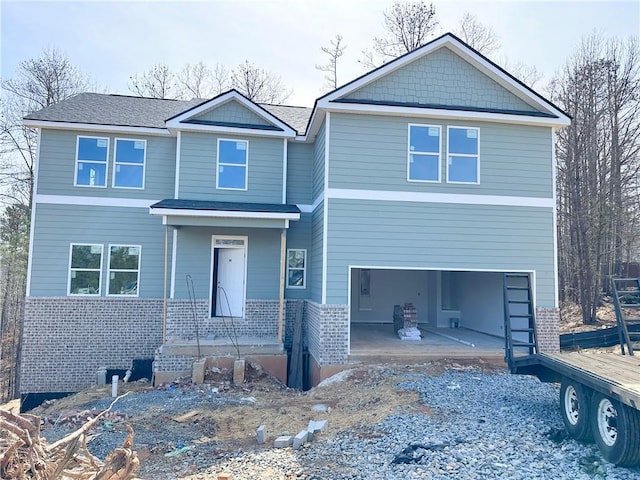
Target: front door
[(228, 279)]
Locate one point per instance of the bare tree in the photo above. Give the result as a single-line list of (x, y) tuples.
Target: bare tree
[(477, 35), (335, 50), (258, 85), (527, 74), (158, 82), (407, 25), (200, 81)]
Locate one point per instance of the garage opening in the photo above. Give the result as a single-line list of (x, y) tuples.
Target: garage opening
[(456, 310)]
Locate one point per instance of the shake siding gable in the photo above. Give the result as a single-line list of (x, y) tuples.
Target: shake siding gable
[(441, 78)]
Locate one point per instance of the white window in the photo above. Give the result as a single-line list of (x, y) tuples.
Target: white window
[(85, 267), (296, 268), (232, 164), (463, 155), (124, 269), (92, 154), (423, 157), (129, 162)]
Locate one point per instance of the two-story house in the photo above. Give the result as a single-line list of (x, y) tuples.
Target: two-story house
[(159, 222)]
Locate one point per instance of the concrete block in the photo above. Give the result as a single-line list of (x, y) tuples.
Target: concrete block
[(261, 434), (317, 426), (299, 439), (309, 435), (238, 371), (197, 371), (283, 441)]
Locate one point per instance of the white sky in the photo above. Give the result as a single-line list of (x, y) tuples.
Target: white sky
[(112, 40)]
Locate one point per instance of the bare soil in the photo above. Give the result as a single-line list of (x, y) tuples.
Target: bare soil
[(571, 317)]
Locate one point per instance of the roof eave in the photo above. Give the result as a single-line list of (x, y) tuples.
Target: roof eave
[(96, 127), (189, 212)]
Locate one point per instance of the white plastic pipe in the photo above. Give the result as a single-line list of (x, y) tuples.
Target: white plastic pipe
[(114, 386)]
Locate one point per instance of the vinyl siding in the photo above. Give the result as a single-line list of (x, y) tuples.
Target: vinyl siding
[(300, 173), (193, 257), (315, 255), (299, 236), (370, 152), (56, 170), (441, 78), (439, 236), (318, 163), (232, 112), (57, 226), (198, 169)]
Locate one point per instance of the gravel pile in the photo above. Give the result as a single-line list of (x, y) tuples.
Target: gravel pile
[(472, 426)]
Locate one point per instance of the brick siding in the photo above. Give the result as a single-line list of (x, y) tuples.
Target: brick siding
[(548, 329)]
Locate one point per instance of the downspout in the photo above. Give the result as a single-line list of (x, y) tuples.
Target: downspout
[(166, 269), (283, 251)]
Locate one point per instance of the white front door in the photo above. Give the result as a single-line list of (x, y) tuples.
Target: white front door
[(229, 278)]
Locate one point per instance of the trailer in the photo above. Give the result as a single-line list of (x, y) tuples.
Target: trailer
[(599, 392)]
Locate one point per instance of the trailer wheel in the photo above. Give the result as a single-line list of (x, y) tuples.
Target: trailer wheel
[(575, 408), (616, 429)]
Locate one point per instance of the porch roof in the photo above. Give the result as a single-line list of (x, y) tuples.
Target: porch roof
[(215, 213)]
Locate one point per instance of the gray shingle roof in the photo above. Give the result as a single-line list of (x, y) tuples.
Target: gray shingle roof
[(122, 110)]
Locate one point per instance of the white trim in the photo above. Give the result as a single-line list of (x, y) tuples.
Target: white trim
[(304, 269), (445, 269), (428, 197), (93, 201), (554, 169), (115, 162), (231, 130), (410, 152), (468, 155), (174, 252), (285, 145), (107, 294), (106, 162), (99, 294), (306, 208), (96, 127), (325, 210), (176, 188), (224, 164), (36, 168), (245, 247), (180, 212), (441, 113)]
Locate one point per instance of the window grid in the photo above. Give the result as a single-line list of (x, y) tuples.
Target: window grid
[(424, 153), (291, 255)]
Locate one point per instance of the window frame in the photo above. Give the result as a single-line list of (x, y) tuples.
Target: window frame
[(70, 269), (409, 152), (219, 164), (116, 162), (109, 270), (304, 269), (106, 162), (467, 155)]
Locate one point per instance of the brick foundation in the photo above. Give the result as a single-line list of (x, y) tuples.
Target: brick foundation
[(328, 332), (548, 329)]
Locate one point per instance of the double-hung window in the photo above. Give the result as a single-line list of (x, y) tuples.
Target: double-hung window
[(296, 268), (129, 163), (463, 155), (85, 267), (232, 164), (92, 154), (124, 269), (424, 153)]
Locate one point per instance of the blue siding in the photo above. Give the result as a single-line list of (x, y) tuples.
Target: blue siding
[(318, 163), (441, 78), (198, 169), (193, 257), (439, 236), (56, 171), (300, 173), (57, 226), (232, 112), (370, 152), (315, 255), (299, 236)]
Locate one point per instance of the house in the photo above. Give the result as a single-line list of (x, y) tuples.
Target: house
[(160, 223)]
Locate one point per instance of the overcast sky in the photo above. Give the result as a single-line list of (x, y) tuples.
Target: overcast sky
[(112, 40)]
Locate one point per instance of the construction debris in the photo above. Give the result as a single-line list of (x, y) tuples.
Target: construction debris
[(24, 455)]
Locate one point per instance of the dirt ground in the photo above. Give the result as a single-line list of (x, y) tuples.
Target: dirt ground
[(571, 317)]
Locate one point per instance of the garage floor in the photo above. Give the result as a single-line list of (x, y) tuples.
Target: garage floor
[(379, 340)]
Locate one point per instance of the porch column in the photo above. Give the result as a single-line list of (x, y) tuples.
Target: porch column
[(283, 269), (166, 269)]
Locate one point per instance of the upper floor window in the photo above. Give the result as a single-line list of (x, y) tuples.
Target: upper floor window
[(296, 268), (92, 155), (124, 269), (85, 266), (232, 164), (129, 163), (463, 155), (424, 153)]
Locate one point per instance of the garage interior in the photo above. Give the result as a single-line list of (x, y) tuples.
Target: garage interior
[(458, 312)]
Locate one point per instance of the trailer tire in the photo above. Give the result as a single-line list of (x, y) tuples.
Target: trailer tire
[(616, 430), (575, 409)]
